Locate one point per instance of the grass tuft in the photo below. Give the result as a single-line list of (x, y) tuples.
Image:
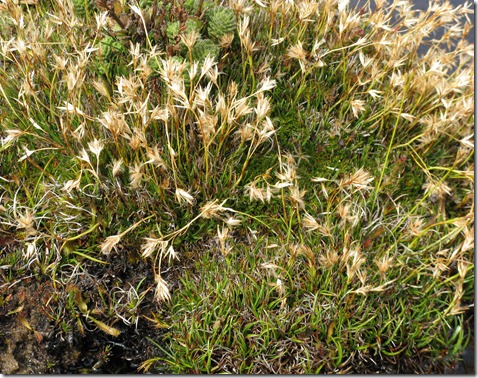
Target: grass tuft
[(297, 176)]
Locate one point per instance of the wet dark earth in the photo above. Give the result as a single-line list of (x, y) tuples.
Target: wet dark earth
[(43, 331), (22, 353)]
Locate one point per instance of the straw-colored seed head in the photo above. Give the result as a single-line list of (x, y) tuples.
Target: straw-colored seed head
[(151, 245), (297, 52), (30, 251), (171, 254), (28, 87), (241, 108), (137, 139), (256, 193), (358, 106), (263, 106), (241, 7), (440, 266), (360, 179), (190, 39), (222, 236), (232, 89), (183, 196), (355, 261), (207, 125), (346, 214), (12, 136), (415, 226), (26, 222), (231, 221), (297, 196), (109, 243), (115, 123), (266, 131), (246, 132), (384, 264), (309, 222), (279, 287), (118, 167), (136, 175), (71, 184), (226, 40), (101, 88), (155, 158), (212, 209), (96, 147), (306, 9), (438, 191), (84, 156), (288, 173), (330, 258), (469, 241), (161, 293)]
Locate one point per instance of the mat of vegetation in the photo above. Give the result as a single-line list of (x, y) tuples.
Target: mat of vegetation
[(238, 186)]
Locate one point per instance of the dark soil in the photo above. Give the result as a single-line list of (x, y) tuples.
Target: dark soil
[(42, 330), (47, 351)]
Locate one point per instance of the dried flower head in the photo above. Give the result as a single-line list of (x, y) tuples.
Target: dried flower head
[(280, 287), (226, 40), (265, 132), (358, 106), (297, 195), (415, 226), (360, 179), (222, 236), (161, 293), (118, 167), (212, 209), (438, 191), (231, 221), (383, 264), (305, 9), (355, 261), (109, 243), (184, 197), (263, 106), (96, 147), (136, 175), (256, 193), (345, 212), (30, 251), (171, 253), (26, 222), (115, 123), (309, 222), (12, 136), (298, 52), (151, 245)]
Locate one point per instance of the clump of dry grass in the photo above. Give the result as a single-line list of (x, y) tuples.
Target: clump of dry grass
[(318, 138)]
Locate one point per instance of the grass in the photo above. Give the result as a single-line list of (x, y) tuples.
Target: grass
[(299, 179)]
